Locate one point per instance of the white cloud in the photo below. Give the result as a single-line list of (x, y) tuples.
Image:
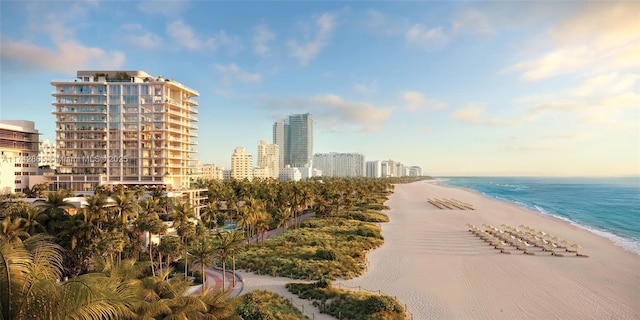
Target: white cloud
[(469, 21), (67, 56), (168, 8), (612, 83), (334, 112), (473, 114), (472, 21), (186, 37), (366, 88), (261, 38), (601, 38), (308, 50), (137, 36), (232, 72), (416, 100), (421, 35)]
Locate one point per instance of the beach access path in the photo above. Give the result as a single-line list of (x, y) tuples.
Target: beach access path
[(434, 265)]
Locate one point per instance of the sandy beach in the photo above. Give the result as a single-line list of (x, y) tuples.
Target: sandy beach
[(434, 265)]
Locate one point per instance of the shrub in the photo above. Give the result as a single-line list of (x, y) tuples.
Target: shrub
[(326, 254), (323, 283)]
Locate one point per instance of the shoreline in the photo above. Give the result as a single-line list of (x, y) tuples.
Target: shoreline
[(439, 270), (617, 240)]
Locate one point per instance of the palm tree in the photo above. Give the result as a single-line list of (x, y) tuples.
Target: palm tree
[(284, 216), (30, 219), (150, 222), (202, 251), (235, 247), (127, 209), (54, 206), (262, 228), (223, 251), (181, 215), (11, 231), (30, 289)]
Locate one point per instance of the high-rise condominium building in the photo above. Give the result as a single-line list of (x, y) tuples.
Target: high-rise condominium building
[(241, 164), (374, 169), (18, 155), (124, 127), (340, 164), (294, 136), (269, 159), (415, 171)]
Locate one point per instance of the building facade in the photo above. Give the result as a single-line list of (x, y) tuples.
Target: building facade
[(211, 172), (18, 155), (340, 164), (294, 136), (374, 169), (124, 127), (415, 171), (269, 159), (47, 154), (241, 164)]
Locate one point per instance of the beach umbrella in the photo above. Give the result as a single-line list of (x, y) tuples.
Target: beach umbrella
[(577, 246)]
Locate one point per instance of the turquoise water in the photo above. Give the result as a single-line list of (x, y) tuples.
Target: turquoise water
[(229, 227), (609, 207)]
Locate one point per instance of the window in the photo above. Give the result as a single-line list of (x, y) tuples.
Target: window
[(18, 181)]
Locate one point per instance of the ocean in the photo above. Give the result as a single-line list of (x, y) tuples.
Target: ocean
[(609, 207)]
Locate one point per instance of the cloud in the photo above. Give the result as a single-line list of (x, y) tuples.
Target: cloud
[(67, 56), (611, 83), (421, 35), (415, 101), (137, 36), (232, 72), (261, 38), (473, 114), (308, 50), (167, 8), (333, 112), (468, 21), (186, 37), (379, 23), (601, 38), (472, 21), (366, 88)]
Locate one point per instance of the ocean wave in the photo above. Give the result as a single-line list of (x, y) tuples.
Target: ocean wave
[(625, 243)]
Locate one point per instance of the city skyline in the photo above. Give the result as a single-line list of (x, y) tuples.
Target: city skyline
[(459, 89)]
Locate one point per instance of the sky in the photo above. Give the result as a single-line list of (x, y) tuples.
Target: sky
[(501, 88)]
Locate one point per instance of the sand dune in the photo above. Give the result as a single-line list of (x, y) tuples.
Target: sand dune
[(441, 271)]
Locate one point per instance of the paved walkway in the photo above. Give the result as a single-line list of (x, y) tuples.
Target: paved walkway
[(214, 275)]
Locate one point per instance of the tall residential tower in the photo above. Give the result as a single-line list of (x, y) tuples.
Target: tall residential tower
[(124, 127), (294, 136)]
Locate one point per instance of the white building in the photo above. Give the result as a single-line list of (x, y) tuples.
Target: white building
[(374, 169), (268, 159), (47, 154), (290, 174), (340, 164), (241, 164), (226, 174), (18, 155), (415, 171), (211, 172), (124, 127)]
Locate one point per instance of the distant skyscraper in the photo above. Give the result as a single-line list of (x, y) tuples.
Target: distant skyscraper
[(269, 158), (374, 169), (340, 164), (280, 138), (294, 136), (241, 164)]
